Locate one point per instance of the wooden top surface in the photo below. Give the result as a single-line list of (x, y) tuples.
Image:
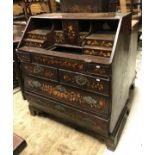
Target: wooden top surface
[(110, 15)]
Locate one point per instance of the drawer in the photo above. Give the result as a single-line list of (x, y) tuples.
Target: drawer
[(97, 69), (40, 71), (98, 43), (97, 52), (62, 63), (41, 34), (24, 56), (89, 83), (72, 115), (87, 101)]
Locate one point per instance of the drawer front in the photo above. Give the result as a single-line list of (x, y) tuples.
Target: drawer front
[(59, 37), (75, 116), (99, 43), (95, 52), (40, 71), (24, 57), (36, 36), (34, 44), (89, 83), (62, 63), (74, 97), (97, 69)]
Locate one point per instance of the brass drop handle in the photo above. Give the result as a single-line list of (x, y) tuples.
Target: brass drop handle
[(81, 80), (36, 84), (38, 69), (90, 101), (60, 88)]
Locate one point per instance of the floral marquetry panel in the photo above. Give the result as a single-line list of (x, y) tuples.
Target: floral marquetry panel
[(94, 103), (73, 65)]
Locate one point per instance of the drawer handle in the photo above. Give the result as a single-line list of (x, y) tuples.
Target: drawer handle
[(36, 84), (38, 69), (89, 100), (81, 80), (88, 121), (60, 88)]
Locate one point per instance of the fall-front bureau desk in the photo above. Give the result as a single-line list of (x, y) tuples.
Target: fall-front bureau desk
[(75, 67)]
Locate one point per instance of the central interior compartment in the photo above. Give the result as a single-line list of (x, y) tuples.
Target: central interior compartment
[(67, 49)]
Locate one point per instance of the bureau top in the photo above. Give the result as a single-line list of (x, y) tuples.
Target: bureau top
[(97, 16)]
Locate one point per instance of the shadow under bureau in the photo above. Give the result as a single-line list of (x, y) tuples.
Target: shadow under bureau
[(78, 67)]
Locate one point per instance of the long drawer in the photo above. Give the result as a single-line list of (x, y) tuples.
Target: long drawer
[(66, 63), (62, 63), (88, 83), (40, 71), (73, 115), (83, 100)]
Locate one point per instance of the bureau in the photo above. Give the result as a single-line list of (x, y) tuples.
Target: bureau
[(78, 67)]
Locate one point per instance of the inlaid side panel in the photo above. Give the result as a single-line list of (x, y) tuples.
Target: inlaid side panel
[(74, 97), (70, 114), (40, 71)]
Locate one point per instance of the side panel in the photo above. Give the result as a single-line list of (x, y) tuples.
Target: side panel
[(120, 68)]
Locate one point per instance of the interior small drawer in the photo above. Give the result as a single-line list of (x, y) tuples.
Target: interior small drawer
[(98, 69), (88, 83), (93, 103), (97, 52), (98, 43), (63, 63), (40, 71), (69, 114)]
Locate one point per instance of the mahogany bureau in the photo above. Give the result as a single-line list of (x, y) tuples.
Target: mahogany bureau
[(76, 67)]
